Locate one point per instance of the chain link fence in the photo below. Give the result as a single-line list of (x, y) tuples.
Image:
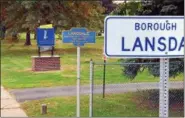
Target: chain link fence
[(114, 94)]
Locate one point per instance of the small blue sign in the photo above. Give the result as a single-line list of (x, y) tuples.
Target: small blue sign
[(78, 36), (45, 37)]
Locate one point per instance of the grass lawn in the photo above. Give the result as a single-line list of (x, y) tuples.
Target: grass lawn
[(16, 66), (136, 104)]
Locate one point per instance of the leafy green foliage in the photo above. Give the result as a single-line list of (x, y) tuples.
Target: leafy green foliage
[(128, 69), (21, 15), (130, 8), (176, 67)]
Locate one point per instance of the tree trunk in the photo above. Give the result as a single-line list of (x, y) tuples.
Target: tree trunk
[(2, 32), (28, 40), (35, 36), (14, 36)]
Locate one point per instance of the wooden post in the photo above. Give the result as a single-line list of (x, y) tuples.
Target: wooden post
[(44, 109), (52, 51), (39, 51)]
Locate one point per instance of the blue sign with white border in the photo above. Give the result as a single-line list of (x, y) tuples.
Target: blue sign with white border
[(45, 37), (78, 36)]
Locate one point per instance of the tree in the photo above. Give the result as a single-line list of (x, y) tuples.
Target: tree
[(3, 15), (155, 7), (109, 6), (28, 40), (2, 30), (162, 7), (21, 15), (125, 8)]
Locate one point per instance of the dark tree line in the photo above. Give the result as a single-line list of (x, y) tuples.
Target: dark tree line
[(162, 7)]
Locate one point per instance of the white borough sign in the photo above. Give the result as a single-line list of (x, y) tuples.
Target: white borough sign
[(144, 36)]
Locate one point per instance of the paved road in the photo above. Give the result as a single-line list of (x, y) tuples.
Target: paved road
[(22, 95)]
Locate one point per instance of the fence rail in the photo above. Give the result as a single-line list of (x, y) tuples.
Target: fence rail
[(112, 94)]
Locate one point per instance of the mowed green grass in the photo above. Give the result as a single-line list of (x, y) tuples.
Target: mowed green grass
[(16, 64), (112, 105), (132, 104)]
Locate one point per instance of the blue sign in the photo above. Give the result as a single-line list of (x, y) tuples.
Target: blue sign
[(45, 37), (78, 36)]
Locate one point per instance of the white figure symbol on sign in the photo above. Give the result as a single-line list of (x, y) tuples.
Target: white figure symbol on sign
[(45, 35)]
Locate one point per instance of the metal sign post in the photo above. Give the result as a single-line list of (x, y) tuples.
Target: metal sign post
[(104, 73), (78, 36), (91, 90), (163, 88), (78, 82)]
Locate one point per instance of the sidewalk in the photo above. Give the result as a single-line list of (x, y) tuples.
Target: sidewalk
[(9, 106)]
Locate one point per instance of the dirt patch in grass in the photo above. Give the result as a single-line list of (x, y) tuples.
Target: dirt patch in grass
[(74, 50), (24, 70), (141, 103), (30, 70), (69, 68), (69, 75), (149, 99)]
